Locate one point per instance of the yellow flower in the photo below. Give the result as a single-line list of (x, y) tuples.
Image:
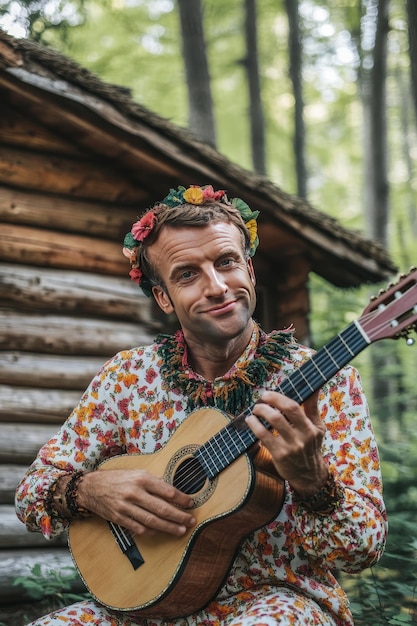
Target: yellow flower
[(253, 230), (193, 195)]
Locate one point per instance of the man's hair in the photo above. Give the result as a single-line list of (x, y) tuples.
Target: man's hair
[(190, 216)]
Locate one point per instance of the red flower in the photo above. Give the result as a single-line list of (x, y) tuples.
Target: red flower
[(123, 406), (81, 444), (142, 228), (150, 375), (210, 194), (136, 275)]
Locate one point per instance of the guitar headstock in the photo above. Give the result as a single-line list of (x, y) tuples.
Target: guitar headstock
[(393, 313)]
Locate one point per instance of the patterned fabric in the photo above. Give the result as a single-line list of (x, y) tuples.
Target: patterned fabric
[(129, 408), (267, 606)]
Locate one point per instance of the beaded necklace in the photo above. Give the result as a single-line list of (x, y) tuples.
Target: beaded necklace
[(235, 393)]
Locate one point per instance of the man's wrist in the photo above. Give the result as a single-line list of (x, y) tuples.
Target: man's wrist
[(72, 496), (307, 486), (63, 500), (325, 499)]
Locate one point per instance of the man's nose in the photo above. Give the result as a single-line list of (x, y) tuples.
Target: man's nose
[(215, 284)]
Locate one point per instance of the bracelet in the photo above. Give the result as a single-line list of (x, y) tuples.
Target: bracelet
[(71, 494), (51, 500), (326, 499)]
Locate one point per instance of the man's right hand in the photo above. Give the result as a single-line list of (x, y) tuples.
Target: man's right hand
[(137, 500)]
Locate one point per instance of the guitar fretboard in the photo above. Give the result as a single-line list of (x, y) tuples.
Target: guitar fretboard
[(236, 438)]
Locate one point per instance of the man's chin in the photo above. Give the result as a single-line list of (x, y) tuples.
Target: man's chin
[(226, 329)]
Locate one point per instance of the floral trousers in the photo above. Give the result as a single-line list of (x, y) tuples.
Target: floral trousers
[(259, 607)]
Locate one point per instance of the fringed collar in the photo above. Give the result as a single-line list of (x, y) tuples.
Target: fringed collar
[(232, 392)]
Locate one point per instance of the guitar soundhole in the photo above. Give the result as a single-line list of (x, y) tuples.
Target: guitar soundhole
[(185, 473), (189, 476)]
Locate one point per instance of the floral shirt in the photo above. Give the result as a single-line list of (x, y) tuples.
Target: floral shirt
[(129, 408)]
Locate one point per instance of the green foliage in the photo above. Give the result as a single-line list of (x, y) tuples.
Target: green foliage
[(53, 584), (40, 18)]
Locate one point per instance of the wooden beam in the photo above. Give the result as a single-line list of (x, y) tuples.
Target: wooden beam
[(69, 214), (49, 371), (81, 293), (20, 443), (36, 406), (53, 334), (16, 129), (57, 174), (22, 244), (10, 476)]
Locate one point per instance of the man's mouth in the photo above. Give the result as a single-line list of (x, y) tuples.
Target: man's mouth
[(224, 307)]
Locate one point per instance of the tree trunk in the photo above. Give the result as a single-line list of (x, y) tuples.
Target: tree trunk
[(385, 381), (200, 103), (295, 68), (375, 128), (406, 224), (257, 124), (412, 40)]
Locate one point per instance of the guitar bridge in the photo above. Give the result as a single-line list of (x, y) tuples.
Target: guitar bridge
[(126, 544)]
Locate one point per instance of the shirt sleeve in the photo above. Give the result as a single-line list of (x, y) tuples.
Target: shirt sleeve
[(90, 434), (352, 536)]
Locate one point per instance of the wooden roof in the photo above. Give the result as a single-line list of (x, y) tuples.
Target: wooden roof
[(155, 155)]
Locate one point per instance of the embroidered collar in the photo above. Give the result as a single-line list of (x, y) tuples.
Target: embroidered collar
[(232, 392)]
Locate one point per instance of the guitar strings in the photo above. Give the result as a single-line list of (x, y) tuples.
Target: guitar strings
[(122, 535)]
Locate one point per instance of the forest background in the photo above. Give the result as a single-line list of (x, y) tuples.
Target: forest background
[(321, 97)]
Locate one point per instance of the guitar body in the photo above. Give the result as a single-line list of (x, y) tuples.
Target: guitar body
[(178, 576)]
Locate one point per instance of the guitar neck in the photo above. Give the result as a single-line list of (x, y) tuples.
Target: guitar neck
[(324, 364), (236, 438)]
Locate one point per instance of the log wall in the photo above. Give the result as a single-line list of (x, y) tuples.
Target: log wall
[(66, 306)]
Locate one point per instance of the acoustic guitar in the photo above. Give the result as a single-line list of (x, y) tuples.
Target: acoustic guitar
[(216, 460)]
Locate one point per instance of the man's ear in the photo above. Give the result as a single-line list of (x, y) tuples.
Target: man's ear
[(163, 300), (251, 271)]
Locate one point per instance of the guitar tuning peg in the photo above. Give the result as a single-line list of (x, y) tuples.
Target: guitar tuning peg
[(406, 334)]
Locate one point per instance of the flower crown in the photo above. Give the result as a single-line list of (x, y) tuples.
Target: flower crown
[(176, 197)]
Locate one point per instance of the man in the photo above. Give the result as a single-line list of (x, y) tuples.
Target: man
[(193, 251)]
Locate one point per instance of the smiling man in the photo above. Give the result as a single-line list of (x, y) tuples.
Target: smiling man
[(193, 252)]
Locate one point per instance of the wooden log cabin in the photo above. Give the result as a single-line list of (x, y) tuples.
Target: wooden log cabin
[(79, 160)]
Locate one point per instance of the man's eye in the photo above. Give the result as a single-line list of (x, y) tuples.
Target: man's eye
[(226, 262), (186, 275)]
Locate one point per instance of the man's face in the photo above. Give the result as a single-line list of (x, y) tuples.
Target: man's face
[(210, 286)]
